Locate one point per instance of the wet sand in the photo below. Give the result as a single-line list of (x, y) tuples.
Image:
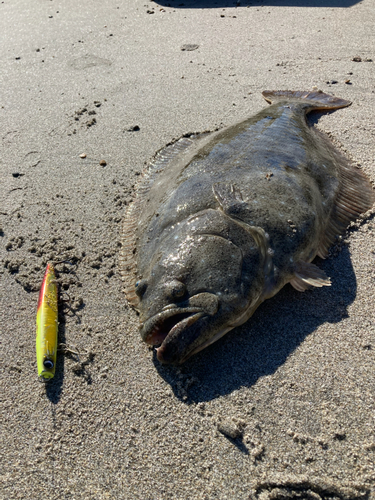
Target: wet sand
[(294, 386)]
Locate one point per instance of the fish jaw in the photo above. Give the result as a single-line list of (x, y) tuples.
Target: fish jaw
[(177, 328), (166, 353), (181, 341), (157, 328)]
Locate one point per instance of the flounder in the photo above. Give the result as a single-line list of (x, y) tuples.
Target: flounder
[(225, 219)]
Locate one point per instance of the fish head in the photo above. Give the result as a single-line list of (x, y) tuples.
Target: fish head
[(202, 285)]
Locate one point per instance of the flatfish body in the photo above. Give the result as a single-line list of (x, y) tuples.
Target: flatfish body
[(224, 220)]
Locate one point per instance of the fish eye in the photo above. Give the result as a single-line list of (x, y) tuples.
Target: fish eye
[(178, 289), (47, 363), (140, 287)]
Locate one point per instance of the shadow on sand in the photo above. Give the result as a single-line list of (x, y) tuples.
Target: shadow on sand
[(216, 4)]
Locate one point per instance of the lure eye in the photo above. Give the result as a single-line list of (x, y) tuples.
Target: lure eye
[(140, 287), (47, 363), (177, 290)]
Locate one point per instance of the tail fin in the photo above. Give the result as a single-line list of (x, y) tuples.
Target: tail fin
[(316, 99)]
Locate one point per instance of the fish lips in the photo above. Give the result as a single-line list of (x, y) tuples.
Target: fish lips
[(178, 326)]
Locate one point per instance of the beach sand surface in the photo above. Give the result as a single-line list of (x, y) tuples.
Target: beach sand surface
[(281, 407)]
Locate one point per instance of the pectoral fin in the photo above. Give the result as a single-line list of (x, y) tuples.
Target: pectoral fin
[(232, 204), (230, 199), (307, 275)]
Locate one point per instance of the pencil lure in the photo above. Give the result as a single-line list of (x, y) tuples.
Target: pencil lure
[(47, 325)]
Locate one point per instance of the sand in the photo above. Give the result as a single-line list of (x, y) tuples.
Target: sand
[(282, 407)]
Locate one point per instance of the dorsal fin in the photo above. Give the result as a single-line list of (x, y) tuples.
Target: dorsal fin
[(128, 257)]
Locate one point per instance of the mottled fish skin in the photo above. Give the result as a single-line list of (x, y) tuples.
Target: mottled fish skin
[(226, 219)]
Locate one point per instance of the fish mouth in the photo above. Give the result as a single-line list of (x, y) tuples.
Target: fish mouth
[(177, 327), (171, 321)]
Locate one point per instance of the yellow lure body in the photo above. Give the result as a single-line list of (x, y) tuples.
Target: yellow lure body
[(47, 325)]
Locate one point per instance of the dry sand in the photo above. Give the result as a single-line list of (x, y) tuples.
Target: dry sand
[(295, 385)]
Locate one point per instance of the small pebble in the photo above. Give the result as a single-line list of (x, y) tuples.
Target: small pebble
[(229, 429), (83, 155), (339, 436), (78, 302), (103, 163), (189, 47)]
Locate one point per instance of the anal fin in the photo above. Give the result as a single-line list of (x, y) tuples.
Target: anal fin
[(307, 275), (354, 197)]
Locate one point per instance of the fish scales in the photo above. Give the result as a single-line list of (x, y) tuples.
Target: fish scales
[(224, 220)]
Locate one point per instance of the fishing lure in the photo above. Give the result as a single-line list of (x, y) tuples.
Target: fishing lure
[(47, 325)]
